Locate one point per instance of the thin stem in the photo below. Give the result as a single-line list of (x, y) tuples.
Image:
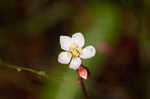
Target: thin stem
[(83, 87), (20, 68)]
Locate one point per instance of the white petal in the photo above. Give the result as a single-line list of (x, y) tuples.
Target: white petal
[(64, 58), (88, 52), (75, 63), (78, 39), (65, 42)]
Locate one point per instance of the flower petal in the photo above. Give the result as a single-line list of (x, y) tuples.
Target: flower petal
[(65, 42), (64, 58), (78, 39), (75, 63), (88, 52)]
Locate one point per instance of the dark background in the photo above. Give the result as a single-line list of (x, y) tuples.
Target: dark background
[(29, 37)]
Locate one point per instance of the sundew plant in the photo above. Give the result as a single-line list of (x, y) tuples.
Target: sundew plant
[(74, 49), (75, 52)]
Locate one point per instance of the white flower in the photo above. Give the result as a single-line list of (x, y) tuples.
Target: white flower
[(74, 50)]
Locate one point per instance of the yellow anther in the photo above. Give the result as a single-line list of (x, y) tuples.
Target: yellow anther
[(73, 46), (79, 49), (71, 49), (70, 54), (75, 52)]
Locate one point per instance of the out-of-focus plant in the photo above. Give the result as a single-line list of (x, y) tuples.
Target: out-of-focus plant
[(21, 68)]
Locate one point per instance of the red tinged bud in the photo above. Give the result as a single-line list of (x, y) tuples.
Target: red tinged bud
[(83, 72)]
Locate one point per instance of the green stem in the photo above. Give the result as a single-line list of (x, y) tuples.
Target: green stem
[(20, 68)]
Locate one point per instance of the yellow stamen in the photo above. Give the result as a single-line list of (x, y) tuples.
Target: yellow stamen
[(70, 54), (74, 51), (79, 49), (73, 46)]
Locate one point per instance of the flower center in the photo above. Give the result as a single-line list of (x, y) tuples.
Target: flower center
[(74, 50)]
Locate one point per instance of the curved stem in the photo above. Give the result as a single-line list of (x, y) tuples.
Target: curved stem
[(20, 68)]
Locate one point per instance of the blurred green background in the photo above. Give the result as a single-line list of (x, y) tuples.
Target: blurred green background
[(29, 37)]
